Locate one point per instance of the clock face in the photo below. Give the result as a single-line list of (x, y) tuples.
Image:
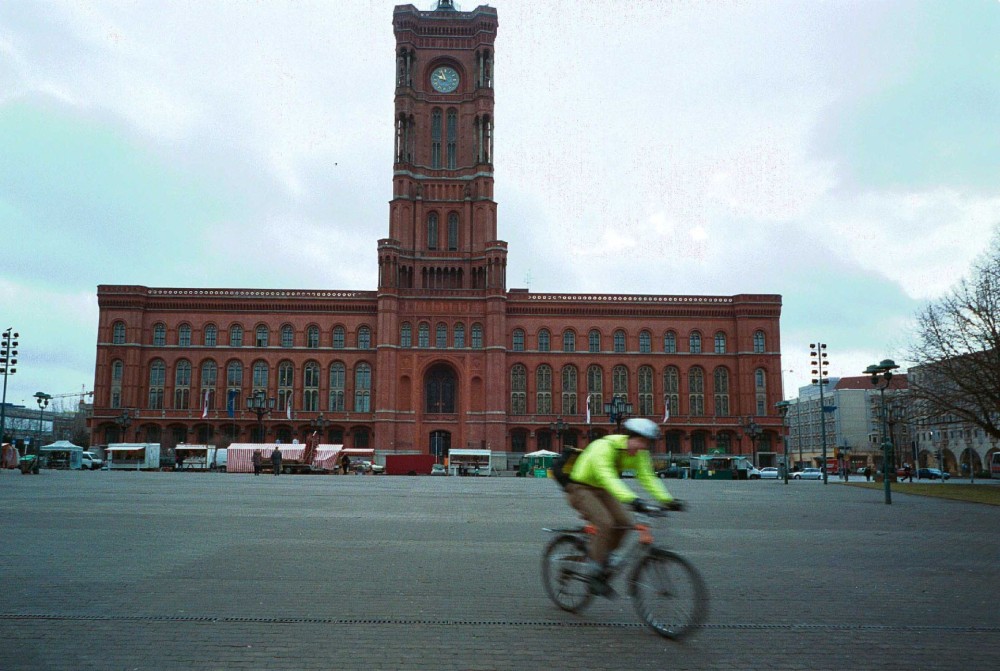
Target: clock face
[(444, 79)]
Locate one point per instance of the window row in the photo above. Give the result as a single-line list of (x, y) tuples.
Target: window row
[(619, 344), (681, 394), (185, 394), (442, 337), (258, 337)]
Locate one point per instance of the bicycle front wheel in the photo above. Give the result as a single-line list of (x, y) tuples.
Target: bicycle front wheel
[(561, 576), (669, 594)]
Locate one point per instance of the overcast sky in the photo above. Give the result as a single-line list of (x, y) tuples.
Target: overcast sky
[(845, 155)]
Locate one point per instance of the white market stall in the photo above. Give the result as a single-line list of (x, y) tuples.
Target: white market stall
[(62, 454), (470, 462), (134, 456)]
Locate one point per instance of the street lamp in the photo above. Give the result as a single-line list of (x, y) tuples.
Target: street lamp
[(260, 404), (821, 371), (783, 407), (618, 410), (319, 424), (881, 377), (124, 420), (558, 427), (43, 402), (8, 359), (753, 432)]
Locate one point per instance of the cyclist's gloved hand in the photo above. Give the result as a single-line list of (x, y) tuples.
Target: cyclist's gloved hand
[(674, 505), (640, 506)]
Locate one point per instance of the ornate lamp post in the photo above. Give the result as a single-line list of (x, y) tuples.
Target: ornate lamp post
[(319, 424), (881, 377), (260, 404), (753, 432), (43, 402), (618, 410), (558, 427), (123, 421), (782, 407)]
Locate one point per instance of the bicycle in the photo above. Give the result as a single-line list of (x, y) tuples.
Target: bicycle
[(667, 591)]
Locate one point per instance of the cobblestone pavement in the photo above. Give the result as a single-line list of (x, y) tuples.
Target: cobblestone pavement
[(123, 570)]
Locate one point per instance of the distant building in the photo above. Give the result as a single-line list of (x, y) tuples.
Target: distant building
[(441, 354)]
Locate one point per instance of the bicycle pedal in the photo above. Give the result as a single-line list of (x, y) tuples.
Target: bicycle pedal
[(599, 587)]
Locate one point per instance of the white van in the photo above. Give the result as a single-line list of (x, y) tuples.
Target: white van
[(90, 462)]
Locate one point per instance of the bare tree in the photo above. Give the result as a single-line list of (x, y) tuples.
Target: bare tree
[(957, 350)]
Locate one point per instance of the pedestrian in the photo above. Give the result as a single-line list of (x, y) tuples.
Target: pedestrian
[(258, 462), (345, 464), (178, 460), (276, 460), (868, 473), (908, 473)]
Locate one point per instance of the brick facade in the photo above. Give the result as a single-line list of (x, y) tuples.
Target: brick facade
[(442, 354)]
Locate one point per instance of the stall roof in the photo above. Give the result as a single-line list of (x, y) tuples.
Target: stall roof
[(470, 453), (61, 446)]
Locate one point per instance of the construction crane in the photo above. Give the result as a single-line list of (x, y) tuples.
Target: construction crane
[(81, 394)]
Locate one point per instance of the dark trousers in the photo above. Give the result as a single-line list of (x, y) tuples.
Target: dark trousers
[(604, 511)]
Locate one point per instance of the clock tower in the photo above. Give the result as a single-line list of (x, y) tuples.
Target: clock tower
[(442, 272)]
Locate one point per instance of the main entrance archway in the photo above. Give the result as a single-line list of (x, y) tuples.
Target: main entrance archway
[(440, 387), (440, 442)]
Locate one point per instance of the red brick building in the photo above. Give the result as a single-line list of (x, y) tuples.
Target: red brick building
[(441, 354)]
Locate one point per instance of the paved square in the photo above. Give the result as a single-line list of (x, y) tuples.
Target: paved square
[(124, 570)]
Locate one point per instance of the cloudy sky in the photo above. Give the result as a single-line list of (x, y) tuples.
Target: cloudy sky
[(845, 155)]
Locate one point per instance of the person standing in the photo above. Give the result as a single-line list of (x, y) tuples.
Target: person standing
[(276, 460), (258, 462)]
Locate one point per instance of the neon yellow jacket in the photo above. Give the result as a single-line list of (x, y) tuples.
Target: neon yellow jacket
[(601, 463)]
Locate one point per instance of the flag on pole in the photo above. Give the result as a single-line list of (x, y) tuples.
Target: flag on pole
[(588, 408), (666, 412), (204, 412), (288, 408), (231, 402)]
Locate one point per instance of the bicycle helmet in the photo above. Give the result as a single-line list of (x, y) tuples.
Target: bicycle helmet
[(640, 426)]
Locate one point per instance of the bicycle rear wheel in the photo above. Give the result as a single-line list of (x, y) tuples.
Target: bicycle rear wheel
[(561, 576), (669, 594)]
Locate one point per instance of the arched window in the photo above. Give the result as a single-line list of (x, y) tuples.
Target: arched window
[(696, 392), (263, 336), (310, 385), (436, 139), (312, 337), (669, 342), (720, 343), (286, 380), (477, 336), (364, 338), (518, 390), (441, 335), (517, 343), (184, 335), (452, 139), (362, 387), (759, 345), (260, 374), (157, 381), (544, 340), (406, 335), (721, 383), (182, 385), (569, 341), (543, 390), (338, 376), (694, 343), (287, 336), (619, 382), (338, 337), (459, 335), (594, 341), (760, 390), (645, 375), (209, 378), (595, 389), (159, 335), (424, 335), (645, 342), (234, 385), (452, 231), (569, 379), (211, 336), (619, 341), (672, 389), (117, 374), (236, 336), (432, 230), (118, 333), (440, 390)]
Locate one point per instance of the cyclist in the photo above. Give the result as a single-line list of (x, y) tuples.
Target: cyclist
[(597, 492)]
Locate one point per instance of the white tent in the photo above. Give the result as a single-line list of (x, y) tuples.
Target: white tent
[(542, 453)]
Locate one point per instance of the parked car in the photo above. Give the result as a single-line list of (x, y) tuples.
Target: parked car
[(671, 471), (89, 461), (753, 473), (808, 474), (931, 474), (769, 473), (439, 469)]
